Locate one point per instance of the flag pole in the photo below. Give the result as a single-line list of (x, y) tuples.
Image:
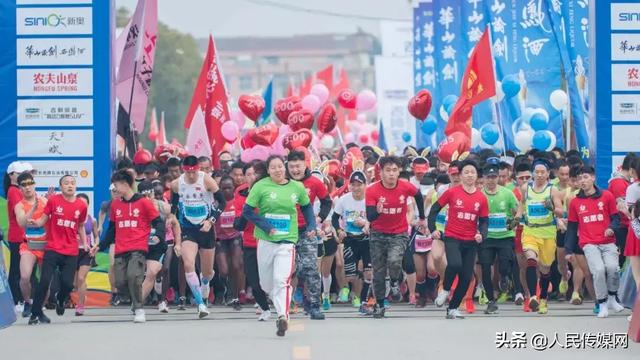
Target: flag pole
[(495, 109), (131, 130)]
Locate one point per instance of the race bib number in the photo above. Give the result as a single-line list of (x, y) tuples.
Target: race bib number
[(497, 223), (423, 243), (281, 223), (34, 233), (537, 210), (226, 219)]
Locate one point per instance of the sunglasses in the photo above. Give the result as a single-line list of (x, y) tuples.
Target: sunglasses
[(27, 183)]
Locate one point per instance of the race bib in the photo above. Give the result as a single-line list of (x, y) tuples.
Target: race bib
[(281, 223), (497, 223), (423, 243), (34, 233), (537, 210), (196, 214), (226, 219)]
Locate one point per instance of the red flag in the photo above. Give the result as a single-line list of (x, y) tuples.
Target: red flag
[(210, 95), (305, 88), (325, 76), (291, 90), (153, 126), (478, 84), (161, 138)]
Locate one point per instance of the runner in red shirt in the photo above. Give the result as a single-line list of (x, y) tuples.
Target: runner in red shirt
[(131, 220), (251, 171), (386, 206), (618, 187), (593, 213), (467, 225), (64, 216), (15, 233)]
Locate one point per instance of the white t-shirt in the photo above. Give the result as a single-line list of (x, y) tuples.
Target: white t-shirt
[(350, 209)]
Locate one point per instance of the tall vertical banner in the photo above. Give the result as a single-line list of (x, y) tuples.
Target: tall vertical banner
[(56, 91), (615, 85)]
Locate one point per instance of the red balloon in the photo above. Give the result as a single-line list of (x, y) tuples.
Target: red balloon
[(453, 146), (347, 99), (264, 135), (296, 139), (251, 105), (301, 119), (286, 106), (375, 135), (420, 105), (246, 142), (333, 169), (327, 118), (350, 156), (163, 152), (363, 138), (142, 157)]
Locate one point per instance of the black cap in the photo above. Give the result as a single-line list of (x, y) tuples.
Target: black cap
[(490, 170), (358, 176), (151, 167)]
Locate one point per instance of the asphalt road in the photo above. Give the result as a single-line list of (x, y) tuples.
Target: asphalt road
[(407, 333)]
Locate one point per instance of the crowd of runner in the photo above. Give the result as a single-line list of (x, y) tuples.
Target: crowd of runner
[(301, 233)]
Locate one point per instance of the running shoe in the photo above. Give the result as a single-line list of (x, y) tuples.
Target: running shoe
[(503, 297), (442, 298), (282, 325), (454, 314), (355, 302), (242, 297), (563, 288), (163, 307), (387, 304), (492, 308), (26, 312), (298, 295), (612, 303), (525, 305), (39, 319), (478, 292), (378, 312), (139, 317), (202, 311), (365, 310), (235, 303), (412, 299), (19, 307), (344, 295), (576, 299), (59, 306), (396, 294), (596, 308), (519, 299), (503, 285), (542, 309), (182, 304), (483, 299), (315, 313), (534, 303), (326, 304), (266, 315), (115, 299), (79, 310), (470, 307), (603, 311)]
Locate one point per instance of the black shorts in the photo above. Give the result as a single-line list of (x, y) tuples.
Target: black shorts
[(205, 240), (560, 239), (84, 259), (157, 251), (490, 248), (330, 246), (356, 249), (227, 246)]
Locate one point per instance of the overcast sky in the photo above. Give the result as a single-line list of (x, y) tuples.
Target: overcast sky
[(266, 18)]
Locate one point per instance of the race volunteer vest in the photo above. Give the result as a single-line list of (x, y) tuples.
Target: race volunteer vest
[(36, 236), (195, 201), (539, 216)]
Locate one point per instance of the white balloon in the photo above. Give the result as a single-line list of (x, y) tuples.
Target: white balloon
[(327, 142), (520, 125), (523, 140), (552, 144), (443, 114), (476, 139), (558, 99)]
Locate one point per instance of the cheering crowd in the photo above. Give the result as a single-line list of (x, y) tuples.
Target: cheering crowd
[(310, 230)]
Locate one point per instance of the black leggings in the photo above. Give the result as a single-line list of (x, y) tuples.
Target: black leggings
[(461, 258), (253, 277), (14, 272), (52, 261)]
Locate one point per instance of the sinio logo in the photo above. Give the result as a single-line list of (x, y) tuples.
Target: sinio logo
[(629, 16), (53, 20)]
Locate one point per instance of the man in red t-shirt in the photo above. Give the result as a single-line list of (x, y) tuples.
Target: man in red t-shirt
[(467, 226), (131, 220), (618, 188), (64, 216), (593, 214), (307, 248), (386, 206)]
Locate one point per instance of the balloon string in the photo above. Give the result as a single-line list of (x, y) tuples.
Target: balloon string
[(344, 147)]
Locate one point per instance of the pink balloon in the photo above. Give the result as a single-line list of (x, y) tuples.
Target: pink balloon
[(246, 155), (366, 100), (362, 118), (311, 103), (230, 131), (260, 152), (350, 137), (238, 117), (321, 91), (277, 148)]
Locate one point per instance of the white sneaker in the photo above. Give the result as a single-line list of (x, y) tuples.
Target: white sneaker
[(139, 317), (163, 307), (202, 311), (19, 307), (442, 298), (519, 300), (613, 304), (603, 311), (478, 292), (265, 316), (454, 314)]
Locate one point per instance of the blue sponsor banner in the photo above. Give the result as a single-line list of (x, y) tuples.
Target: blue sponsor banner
[(56, 86)]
